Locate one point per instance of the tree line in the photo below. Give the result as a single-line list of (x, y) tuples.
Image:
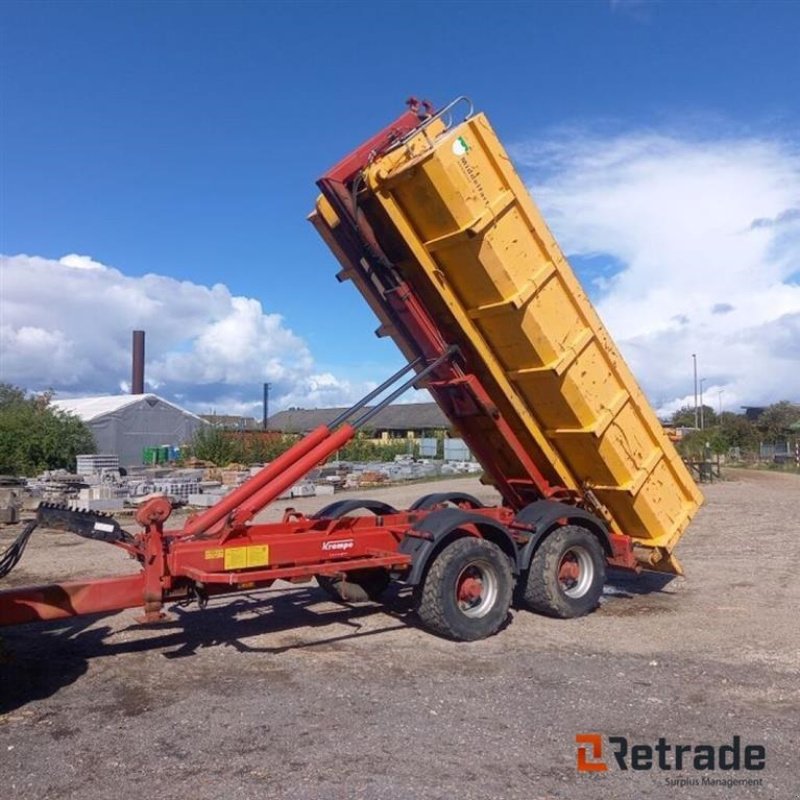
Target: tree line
[(36, 436), (728, 430)]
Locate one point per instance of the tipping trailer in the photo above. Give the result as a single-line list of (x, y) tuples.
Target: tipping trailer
[(432, 224)]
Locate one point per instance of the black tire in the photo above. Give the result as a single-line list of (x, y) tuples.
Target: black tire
[(549, 591), (359, 586), (443, 605)]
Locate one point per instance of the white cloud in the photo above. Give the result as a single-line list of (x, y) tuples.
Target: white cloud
[(80, 262), (704, 239), (67, 324)]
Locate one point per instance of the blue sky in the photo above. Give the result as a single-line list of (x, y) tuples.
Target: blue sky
[(184, 139)]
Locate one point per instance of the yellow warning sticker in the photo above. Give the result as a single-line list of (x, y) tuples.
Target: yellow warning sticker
[(235, 557), (256, 555), (217, 552)]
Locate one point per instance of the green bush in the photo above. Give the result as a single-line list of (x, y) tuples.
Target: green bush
[(34, 436), (260, 449), (363, 449), (214, 445), (223, 447)]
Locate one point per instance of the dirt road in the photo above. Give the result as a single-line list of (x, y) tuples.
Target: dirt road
[(287, 695)]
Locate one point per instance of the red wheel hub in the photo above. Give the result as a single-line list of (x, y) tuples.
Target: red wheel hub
[(469, 589), (569, 569)]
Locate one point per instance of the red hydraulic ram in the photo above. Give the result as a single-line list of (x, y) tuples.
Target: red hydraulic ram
[(259, 485)]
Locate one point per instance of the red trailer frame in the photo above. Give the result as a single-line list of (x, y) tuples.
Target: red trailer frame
[(220, 550)]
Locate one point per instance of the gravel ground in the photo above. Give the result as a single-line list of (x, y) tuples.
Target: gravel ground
[(284, 694)]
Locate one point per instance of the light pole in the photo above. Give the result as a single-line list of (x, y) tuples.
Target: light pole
[(702, 420), (265, 420), (694, 361)]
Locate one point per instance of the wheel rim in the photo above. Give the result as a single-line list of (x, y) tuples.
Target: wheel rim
[(575, 572), (476, 589)]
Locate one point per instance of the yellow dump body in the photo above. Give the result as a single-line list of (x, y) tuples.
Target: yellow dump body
[(477, 250)]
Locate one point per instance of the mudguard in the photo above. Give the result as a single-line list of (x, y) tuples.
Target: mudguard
[(428, 537), (341, 508), (543, 515)]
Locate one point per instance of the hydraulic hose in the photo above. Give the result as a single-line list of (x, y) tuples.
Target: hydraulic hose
[(13, 553)]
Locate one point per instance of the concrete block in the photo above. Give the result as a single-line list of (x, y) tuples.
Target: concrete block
[(112, 505), (204, 500)]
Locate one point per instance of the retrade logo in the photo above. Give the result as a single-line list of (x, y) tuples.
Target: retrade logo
[(663, 755), (590, 752)]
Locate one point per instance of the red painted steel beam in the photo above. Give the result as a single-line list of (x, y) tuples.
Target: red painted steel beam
[(306, 571), (622, 554), (302, 545), (539, 480), (354, 161), (61, 600)]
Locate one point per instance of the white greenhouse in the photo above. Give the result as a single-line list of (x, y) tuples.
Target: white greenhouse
[(123, 425)]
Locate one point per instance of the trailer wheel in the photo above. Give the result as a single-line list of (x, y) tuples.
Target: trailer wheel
[(467, 591), (359, 586), (567, 574)]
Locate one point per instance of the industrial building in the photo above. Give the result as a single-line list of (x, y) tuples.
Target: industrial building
[(124, 425), (401, 421), (232, 422)]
